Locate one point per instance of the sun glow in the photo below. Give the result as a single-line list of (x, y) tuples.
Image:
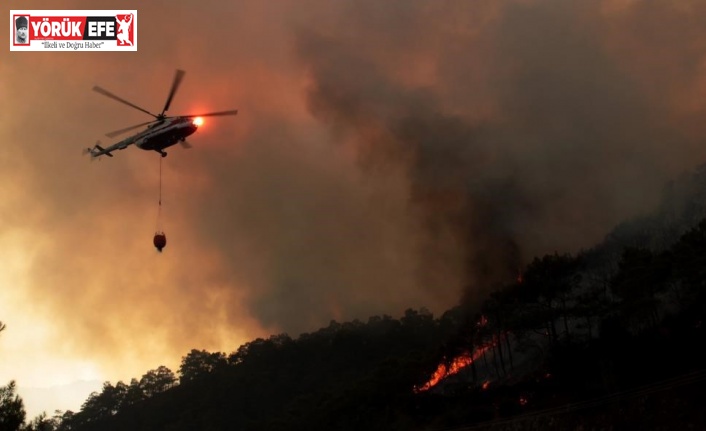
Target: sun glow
[(198, 121)]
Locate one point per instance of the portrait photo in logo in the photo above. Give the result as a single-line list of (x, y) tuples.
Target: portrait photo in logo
[(21, 30), (124, 26)]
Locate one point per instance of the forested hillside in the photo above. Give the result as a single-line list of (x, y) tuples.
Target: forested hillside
[(610, 335)]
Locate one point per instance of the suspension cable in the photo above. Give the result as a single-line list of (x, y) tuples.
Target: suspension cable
[(159, 208)]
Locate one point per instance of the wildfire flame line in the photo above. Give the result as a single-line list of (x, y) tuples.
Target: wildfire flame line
[(457, 364)]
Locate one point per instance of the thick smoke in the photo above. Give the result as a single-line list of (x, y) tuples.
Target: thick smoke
[(529, 136), (386, 156)]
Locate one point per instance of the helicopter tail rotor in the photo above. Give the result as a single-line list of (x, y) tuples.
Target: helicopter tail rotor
[(88, 151)]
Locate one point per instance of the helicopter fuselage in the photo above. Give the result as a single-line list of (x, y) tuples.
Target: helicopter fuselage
[(161, 133), (164, 135)]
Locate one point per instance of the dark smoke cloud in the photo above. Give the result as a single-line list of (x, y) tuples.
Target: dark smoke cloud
[(313, 238), (387, 155), (571, 145)]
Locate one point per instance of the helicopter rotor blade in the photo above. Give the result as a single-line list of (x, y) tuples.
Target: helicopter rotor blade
[(107, 93), (175, 85), (127, 129), (213, 114)]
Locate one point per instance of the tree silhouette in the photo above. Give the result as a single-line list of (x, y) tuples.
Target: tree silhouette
[(12, 410), (157, 381), (549, 282), (641, 277), (42, 423), (134, 393), (106, 403), (198, 363)]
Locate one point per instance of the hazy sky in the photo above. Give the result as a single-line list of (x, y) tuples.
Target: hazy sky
[(387, 155)]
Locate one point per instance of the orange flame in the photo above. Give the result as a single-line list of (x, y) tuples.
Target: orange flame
[(457, 364)]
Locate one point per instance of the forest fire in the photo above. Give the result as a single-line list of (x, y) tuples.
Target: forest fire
[(457, 364)]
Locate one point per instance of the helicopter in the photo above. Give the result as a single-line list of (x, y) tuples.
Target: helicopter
[(160, 133)]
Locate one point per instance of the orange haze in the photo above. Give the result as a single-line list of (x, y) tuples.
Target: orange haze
[(387, 155)]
